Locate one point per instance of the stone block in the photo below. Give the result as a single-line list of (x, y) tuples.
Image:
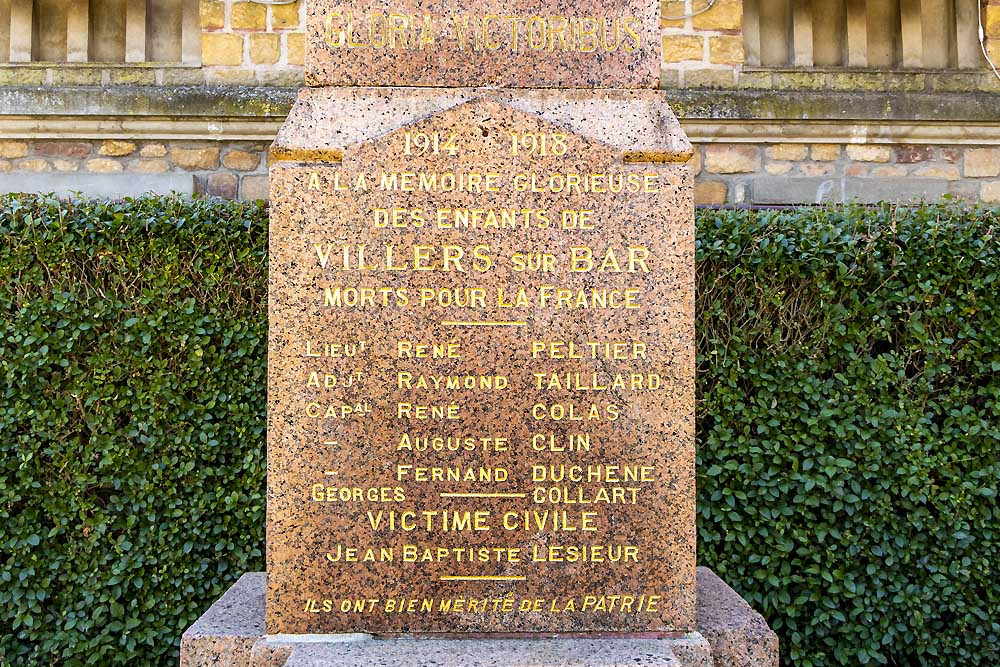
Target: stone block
[(65, 165), (992, 21), (195, 158), (283, 77), (285, 17), (804, 190), (724, 15), (97, 185), (230, 76), (219, 48), (498, 43), (726, 49), (814, 169), (212, 15), (949, 172), (794, 152), (990, 192), (222, 184), (982, 162), (265, 48), (76, 76), (152, 166), (70, 149), (296, 48), (729, 633), (224, 635), (22, 76), (799, 81), (738, 635), (183, 76), (709, 78), (307, 549), (778, 168), (241, 160), (824, 152), (132, 76), (153, 150), (911, 154), (888, 171), (851, 171), (248, 16), (731, 159), (869, 153), (253, 188), (905, 81), (710, 193), (32, 164), (679, 48), (760, 80), (103, 165), (13, 149), (5, 166), (116, 148), (858, 81)]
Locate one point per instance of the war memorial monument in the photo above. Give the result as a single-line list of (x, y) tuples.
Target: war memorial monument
[(481, 357)]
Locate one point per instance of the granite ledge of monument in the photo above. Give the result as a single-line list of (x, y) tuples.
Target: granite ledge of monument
[(324, 122), (231, 632)]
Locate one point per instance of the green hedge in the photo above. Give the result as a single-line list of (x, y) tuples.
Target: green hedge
[(848, 433), (133, 345)]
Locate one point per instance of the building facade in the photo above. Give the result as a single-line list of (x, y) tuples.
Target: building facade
[(787, 101)]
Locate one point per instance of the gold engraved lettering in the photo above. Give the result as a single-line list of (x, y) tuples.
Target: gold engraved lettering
[(569, 495), (379, 31), (407, 380), (516, 34), (596, 553), (595, 381), (610, 473), (610, 350), (582, 260), (358, 555), (408, 349), (574, 442), (423, 412), (321, 493), (556, 521), (533, 261), (423, 443), (539, 144), (405, 472), (441, 521), (565, 298), (334, 350), (570, 412)]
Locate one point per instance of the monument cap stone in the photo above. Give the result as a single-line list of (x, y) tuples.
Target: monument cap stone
[(503, 43)]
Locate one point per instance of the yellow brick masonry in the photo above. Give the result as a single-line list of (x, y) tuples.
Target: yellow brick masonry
[(705, 50), (250, 43)]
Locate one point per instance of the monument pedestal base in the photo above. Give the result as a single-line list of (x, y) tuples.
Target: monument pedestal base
[(231, 634)]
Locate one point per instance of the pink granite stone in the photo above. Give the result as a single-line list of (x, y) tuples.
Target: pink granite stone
[(481, 377), (520, 44)]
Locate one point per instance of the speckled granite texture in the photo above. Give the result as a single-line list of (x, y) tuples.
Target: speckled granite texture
[(597, 341), (324, 122), (230, 634), (504, 43)]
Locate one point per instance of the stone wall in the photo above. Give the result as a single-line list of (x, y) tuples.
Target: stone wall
[(247, 43), (223, 169)]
